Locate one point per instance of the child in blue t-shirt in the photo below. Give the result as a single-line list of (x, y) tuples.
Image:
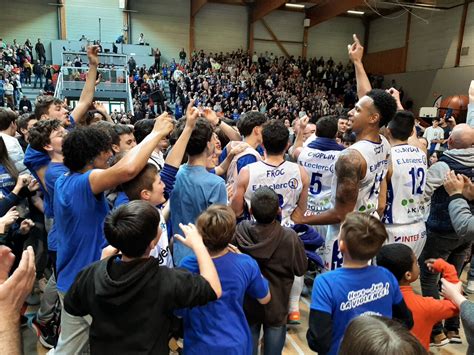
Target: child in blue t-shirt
[(355, 289), (220, 327)]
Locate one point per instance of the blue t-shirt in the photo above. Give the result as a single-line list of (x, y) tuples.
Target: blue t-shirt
[(347, 293), (220, 327), (79, 218), (54, 171), (194, 191)]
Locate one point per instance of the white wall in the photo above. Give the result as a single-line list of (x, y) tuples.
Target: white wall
[(423, 87), (286, 25), (82, 18), (29, 19), (330, 38), (433, 45), (388, 33), (468, 40), (221, 28), (164, 23)]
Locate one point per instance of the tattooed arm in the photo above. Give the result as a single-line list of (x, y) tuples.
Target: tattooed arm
[(350, 169)]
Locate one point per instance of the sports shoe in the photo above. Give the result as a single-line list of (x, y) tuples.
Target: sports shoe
[(470, 287), (439, 340), (294, 318), (47, 334), (453, 336)]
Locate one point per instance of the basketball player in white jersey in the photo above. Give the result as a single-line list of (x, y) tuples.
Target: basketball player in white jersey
[(360, 169), (287, 179), (406, 179), (319, 158)]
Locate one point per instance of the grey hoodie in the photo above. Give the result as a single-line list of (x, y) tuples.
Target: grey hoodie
[(437, 172)]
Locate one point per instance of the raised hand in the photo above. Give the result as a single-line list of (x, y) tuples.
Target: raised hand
[(93, 55), (164, 124), (15, 289), (26, 226), (211, 116), (192, 115), (355, 50), (193, 238)]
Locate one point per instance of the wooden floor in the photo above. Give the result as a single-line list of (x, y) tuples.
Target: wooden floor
[(295, 338)]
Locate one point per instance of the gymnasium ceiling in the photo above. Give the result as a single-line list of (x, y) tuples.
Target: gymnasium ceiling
[(371, 8)]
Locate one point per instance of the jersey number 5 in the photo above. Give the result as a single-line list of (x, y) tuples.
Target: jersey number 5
[(315, 185)]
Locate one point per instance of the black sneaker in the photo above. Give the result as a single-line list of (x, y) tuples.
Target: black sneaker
[(47, 334)]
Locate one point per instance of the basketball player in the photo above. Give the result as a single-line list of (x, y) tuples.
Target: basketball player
[(287, 179), (406, 179), (318, 158), (360, 169)]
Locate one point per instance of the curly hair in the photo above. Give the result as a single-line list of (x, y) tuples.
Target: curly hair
[(385, 105), (82, 145), (40, 132)]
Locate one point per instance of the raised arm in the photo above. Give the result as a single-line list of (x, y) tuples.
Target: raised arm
[(211, 116), (350, 169), (175, 156), (134, 161), (87, 94), (356, 52), (303, 122)]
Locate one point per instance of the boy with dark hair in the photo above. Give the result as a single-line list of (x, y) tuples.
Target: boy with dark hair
[(250, 127), (239, 275), (402, 262), (133, 287), (195, 188), (23, 124), (123, 140), (80, 207), (141, 129), (356, 288), (406, 179), (281, 256)]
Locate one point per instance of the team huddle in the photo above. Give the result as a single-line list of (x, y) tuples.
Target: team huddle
[(211, 243)]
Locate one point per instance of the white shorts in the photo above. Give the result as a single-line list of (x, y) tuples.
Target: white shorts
[(413, 235)]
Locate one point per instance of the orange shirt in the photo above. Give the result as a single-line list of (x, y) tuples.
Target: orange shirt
[(428, 311)]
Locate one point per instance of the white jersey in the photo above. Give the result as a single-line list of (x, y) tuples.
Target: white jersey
[(162, 250), (232, 172), (406, 187), (284, 179), (320, 167), (377, 157)]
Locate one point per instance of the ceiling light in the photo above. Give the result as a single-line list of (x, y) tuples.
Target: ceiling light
[(353, 12), (295, 6)]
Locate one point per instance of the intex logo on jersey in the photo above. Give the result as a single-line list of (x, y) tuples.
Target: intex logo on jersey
[(409, 238)]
